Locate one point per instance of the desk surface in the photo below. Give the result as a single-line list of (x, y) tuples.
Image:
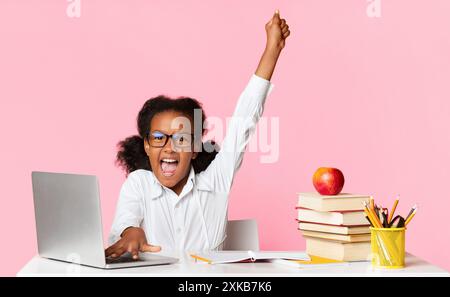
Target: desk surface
[(188, 267)]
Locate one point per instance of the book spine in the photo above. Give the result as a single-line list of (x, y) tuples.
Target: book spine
[(348, 226), (335, 211)]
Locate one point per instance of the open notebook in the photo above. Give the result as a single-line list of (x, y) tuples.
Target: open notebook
[(246, 256)]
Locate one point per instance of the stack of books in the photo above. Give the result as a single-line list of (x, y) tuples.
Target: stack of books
[(335, 226)]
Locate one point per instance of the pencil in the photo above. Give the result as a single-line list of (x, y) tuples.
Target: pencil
[(201, 259), (372, 203), (391, 213), (411, 211), (374, 216), (371, 215), (368, 219), (410, 217)]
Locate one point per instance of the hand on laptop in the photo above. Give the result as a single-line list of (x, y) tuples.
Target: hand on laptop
[(133, 240)]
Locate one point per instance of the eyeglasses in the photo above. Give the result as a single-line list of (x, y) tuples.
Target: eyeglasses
[(179, 140)]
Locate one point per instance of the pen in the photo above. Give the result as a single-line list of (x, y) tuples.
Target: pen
[(385, 218), (382, 217)]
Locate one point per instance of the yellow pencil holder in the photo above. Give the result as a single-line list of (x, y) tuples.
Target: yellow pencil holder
[(388, 247)]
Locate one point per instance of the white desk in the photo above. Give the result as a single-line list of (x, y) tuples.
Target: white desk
[(188, 267)]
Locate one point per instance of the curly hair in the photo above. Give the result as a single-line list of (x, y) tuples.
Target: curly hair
[(131, 154)]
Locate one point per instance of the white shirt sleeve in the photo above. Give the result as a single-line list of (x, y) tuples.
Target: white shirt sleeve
[(248, 111), (129, 210)]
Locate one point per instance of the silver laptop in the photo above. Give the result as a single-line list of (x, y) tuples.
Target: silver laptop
[(68, 222)]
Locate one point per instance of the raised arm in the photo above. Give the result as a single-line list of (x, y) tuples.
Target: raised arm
[(249, 108), (277, 31)]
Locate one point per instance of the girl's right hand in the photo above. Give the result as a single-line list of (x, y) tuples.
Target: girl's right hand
[(133, 240)]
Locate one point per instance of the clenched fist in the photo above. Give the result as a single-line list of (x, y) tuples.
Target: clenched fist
[(277, 31)]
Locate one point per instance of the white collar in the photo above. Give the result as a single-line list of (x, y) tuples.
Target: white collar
[(191, 182)]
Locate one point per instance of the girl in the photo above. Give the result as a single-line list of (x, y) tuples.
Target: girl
[(174, 196)]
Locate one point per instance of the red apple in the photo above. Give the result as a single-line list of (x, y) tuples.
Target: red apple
[(328, 181)]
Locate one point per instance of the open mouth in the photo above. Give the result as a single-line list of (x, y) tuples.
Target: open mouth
[(168, 166)]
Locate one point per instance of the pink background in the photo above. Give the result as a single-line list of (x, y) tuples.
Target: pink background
[(367, 95)]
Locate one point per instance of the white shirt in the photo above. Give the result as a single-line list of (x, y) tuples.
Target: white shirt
[(196, 219)]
